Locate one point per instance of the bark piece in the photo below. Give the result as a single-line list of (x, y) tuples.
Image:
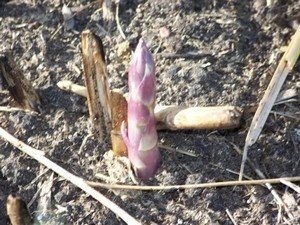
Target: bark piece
[(17, 211), (119, 114), (19, 87), (96, 82), (197, 118)]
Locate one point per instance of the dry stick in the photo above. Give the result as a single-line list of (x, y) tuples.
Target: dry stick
[(286, 95), (192, 186), (188, 55), (285, 65), (79, 182), (68, 85)]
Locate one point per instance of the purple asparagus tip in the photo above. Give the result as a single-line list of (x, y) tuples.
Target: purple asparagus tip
[(141, 137)]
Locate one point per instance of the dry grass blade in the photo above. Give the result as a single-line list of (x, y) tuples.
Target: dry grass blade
[(285, 65), (231, 217), (118, 22), (192, 186), (291, 185), (68, 176)]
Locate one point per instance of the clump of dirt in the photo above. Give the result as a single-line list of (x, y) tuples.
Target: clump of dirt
[(217, 53)]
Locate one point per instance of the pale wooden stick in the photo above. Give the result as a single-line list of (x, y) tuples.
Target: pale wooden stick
[(79, 182), (68, 85), (285, 65), (198, 118), (192, 186)]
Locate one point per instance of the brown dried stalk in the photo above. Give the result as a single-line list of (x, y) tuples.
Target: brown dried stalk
[(17, 211), (96, 83), (19, 87), (119, 114)]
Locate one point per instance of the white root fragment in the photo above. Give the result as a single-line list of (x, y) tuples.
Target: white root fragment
[(74, 88)]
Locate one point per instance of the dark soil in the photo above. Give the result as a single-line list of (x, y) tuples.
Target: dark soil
[(238, 45)]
